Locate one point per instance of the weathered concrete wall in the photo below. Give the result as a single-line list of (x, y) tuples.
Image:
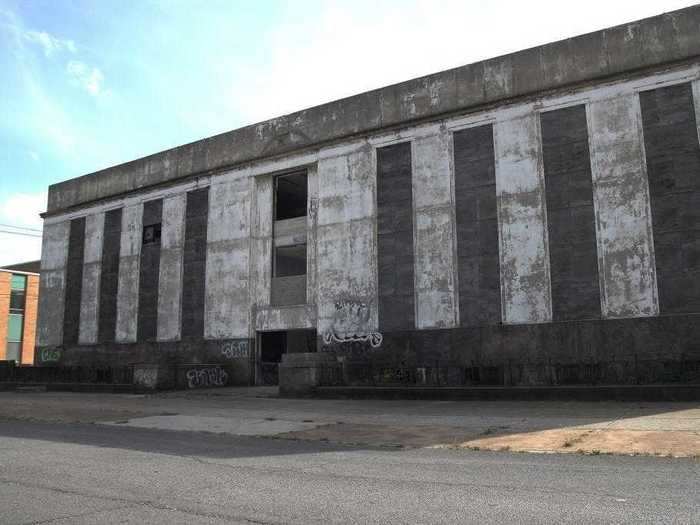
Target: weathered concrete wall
[(434, 231), (260, 269), (623, 216), (54, 254), (346, 257), (170, 278), (455, 216), (90, 299), (227, 312), (128, 288), (663, 39), (525, 279)]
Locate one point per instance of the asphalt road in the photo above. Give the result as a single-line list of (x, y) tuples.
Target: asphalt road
[(86, 473)]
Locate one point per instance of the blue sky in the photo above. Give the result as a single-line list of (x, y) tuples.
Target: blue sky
[(89, 84)]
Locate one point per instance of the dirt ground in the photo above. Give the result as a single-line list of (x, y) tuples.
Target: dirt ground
[(662, 429)]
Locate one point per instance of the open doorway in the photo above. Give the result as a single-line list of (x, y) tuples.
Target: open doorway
[(274, 344)]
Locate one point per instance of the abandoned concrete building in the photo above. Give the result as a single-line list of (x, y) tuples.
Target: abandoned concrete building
[(531, 219)]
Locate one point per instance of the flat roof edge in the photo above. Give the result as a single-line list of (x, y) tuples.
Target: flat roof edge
[(664, 39)]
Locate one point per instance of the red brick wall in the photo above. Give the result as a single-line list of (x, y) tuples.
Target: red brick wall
[(5, 279), (30, 310)]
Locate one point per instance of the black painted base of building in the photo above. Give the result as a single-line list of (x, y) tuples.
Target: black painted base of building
[(649, 350), (640, 351)]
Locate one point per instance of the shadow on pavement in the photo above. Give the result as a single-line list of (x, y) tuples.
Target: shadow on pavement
[(169, 442)]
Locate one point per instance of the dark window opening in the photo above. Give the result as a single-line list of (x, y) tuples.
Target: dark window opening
[(290, 196), (151, 234), (290, 260), (16, 301)]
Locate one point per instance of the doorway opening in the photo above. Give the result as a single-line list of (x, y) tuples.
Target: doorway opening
[(274, 344)]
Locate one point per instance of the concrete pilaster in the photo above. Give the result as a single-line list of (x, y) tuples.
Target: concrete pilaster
[(623, 217), (522, 217), (128, 287), (90, 293)]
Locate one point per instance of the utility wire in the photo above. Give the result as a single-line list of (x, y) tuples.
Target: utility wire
[(25, 234), (20, 227)]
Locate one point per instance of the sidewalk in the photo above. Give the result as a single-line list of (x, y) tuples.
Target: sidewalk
[(667, 429)]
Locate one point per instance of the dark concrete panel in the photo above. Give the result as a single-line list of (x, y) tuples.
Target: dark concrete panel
[(74, 281), (149, 270), (673, 167), (109, 275), (477, 227), (395, 237), (194, 263), (570, 215)]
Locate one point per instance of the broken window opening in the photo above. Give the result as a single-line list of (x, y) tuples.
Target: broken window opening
[(151, 234), (290, 195)]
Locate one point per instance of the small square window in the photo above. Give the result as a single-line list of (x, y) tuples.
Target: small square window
[(151, 234), (17, 301)]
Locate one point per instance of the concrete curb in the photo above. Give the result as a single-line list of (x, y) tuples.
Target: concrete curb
[(544, 393)]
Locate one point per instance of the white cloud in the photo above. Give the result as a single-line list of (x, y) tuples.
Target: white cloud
[(19, 248), (20, 227), (34, 155), (349, 48), (23, 209), (49, 43), (87, 77)]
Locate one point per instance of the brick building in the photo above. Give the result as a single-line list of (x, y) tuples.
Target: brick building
[(528, 219), (19, 299)]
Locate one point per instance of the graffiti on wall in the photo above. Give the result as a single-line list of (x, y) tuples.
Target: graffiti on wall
[(146, 377), (350, 322), (50, 355), (374, 339), (206, 377), (235, 349)]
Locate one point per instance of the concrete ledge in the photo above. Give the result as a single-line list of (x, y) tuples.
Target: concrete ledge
[(549, 393), (662, 40)]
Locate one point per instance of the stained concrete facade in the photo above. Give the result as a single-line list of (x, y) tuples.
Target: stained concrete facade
[(506, 222)]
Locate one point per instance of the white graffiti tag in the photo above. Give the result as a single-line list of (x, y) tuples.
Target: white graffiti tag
[(235, 349), (206, 377), (374, 339)]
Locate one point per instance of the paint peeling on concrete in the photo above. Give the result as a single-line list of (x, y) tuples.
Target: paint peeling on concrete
[(622, 208), (170, 272), (128, 287), (52, 283), (226, 304), (90, 294), (434, 244), (524, 256), (346, 258)]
